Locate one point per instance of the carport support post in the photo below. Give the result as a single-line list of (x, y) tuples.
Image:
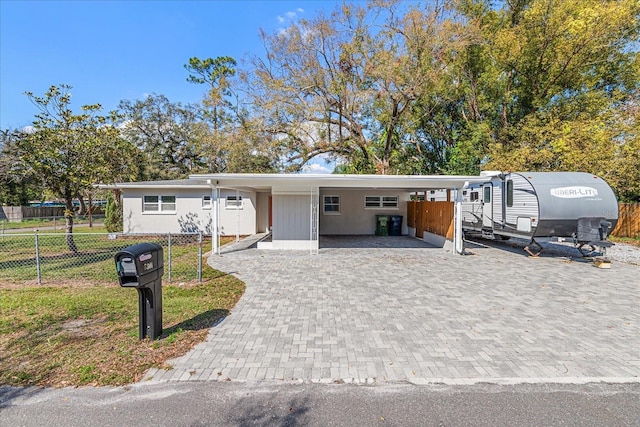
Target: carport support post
[(238, 204), (214, 216), (457, 229)]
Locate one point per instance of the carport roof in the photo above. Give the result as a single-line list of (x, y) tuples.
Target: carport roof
[(405, 182), (266, 182)]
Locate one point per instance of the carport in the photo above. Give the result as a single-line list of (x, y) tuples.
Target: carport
[(302, 207)]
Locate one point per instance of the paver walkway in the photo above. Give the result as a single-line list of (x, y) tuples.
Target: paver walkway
[(393, 309)]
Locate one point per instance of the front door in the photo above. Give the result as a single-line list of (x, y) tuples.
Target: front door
[(487, 206)]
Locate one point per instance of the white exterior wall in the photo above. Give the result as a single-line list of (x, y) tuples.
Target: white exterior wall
[(232, 219), (262, 212), (354, 218), (190, 216)]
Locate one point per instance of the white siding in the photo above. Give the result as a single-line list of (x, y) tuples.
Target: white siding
[(291, 217), (525, 204), (189, 216)]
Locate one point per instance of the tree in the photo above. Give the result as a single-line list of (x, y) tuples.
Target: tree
[(215, 73), (18, 185), (170, 135), (112, 214), (230, 134), (71, 152), (345, 86), (546, 84)]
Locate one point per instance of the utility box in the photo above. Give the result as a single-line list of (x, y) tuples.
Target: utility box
[(141, 267)]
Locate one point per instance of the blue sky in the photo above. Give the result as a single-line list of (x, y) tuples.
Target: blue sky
[(114, 50)]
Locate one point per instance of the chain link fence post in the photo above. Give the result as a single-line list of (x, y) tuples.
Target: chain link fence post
[(169, 254), (38, 257), (200, 257)]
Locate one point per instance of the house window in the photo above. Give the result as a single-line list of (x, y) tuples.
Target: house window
[(206, 202), (159, 204), (381, 202), (233, 202), (331, 205)]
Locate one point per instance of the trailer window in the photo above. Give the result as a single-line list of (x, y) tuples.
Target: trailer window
[(509, 193), (474, 196), (487, 194)]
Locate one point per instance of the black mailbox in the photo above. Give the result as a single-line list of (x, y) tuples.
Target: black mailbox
[(141, 266)]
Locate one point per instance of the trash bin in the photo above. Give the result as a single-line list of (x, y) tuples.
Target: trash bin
[(382, 225), (395, 228), (141, 267)]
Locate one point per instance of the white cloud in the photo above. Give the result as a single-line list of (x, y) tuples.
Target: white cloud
[(315, 168), (29, 129), (289, 16)]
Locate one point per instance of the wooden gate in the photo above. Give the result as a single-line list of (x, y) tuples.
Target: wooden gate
[(433, 217)]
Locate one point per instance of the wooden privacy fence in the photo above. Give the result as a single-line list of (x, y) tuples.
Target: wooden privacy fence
[(18, 213), (628, 220), (434, 217)]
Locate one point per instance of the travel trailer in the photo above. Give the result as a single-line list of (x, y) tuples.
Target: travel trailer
[(541, 206)]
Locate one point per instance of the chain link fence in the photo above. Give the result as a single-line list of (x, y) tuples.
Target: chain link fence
[(54, 223), (56, 257)]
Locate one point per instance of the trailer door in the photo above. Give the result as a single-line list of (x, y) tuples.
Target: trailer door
[(487, 206)]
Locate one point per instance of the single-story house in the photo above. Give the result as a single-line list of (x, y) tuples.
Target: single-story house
[(295, 208)]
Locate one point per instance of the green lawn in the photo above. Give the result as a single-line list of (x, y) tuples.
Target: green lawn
[(88, 334)]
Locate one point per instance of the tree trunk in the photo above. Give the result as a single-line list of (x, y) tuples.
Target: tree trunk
[(83, 205), (68, 217)]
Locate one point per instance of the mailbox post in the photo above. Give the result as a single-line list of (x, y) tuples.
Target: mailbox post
[(141, 267)]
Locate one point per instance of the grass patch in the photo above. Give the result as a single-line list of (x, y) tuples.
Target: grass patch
[(58, 224), (87, 334), (635, 241)]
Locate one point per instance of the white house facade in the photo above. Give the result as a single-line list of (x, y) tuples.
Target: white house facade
[(295, 208)]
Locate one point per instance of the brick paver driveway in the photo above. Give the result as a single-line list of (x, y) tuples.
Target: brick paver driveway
[(394, 309)]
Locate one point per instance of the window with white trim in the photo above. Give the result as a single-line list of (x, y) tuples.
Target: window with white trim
[(381, 202), (331, 205), (233, 202), (206, 202), (159, 204)]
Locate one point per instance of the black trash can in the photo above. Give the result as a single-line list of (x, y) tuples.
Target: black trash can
[(395, 227), (382, 225)]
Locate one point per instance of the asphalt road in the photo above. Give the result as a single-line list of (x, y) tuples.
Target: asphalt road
[(281, 404)]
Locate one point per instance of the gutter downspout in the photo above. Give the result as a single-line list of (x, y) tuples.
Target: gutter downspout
[(457, 232)]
